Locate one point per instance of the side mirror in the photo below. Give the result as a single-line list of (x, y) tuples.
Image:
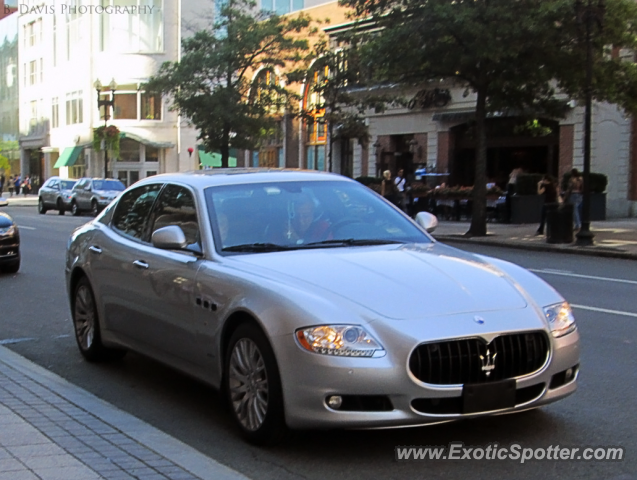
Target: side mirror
[(427, 221), (3, 202), (169, 238)]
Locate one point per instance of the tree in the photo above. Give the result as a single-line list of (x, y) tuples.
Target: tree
[(212, 87), (512, 54)]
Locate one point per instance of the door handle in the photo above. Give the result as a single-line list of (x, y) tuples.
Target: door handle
[(140, 264), (95, 249)]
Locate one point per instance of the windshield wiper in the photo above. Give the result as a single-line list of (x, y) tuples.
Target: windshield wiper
[(353, 242), (255, 247)]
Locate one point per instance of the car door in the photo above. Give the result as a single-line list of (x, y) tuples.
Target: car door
[(121, 282), (84, 200), (172, 275), (48, 192)]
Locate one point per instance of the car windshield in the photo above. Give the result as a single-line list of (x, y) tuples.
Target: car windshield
[(67, 184), (109, 185), (304, 215)]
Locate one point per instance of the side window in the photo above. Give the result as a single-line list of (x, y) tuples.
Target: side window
[(176, 206), (53, 184), (131, 213)]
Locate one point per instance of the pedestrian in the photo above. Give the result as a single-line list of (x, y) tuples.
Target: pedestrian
[(11, 185), (546, 187), (401, 186), (388, 188), (2, 180), (17, 181), (26, 185), (574, 195)]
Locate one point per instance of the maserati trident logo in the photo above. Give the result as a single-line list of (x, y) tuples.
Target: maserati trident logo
[(488, 362)]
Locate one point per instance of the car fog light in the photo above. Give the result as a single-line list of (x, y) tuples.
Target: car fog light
[(335, 401), (569, 374)]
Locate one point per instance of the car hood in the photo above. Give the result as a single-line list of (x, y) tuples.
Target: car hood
[(108, 193), (399, 282)]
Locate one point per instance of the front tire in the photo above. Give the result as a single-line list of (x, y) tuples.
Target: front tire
[(60, 206), (41, 207), (75, 210), (252, 386), (87, 327)]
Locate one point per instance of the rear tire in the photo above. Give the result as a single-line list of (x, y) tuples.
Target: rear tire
[(60, 206), (94, 208), (75, 210), (87, 326), (41, 207), (252, 386)]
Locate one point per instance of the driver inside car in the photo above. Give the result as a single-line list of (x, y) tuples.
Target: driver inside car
[(303, 225)]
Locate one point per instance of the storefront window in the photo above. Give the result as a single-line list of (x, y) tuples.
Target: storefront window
[(152, 154), (129, 150)]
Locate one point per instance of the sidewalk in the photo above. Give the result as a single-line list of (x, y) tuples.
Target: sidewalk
[(613, 238), (30, 200), (53, 430)]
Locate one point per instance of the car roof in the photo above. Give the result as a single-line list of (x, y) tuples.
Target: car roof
[(237, 176)]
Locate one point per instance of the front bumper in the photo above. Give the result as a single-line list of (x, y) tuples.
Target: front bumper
[(308, 379), (9, 251)]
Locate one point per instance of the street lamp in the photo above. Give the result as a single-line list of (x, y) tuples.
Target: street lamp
[(106, 104), (588, 14)]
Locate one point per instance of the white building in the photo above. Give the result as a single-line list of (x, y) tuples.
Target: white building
[(64, 48)]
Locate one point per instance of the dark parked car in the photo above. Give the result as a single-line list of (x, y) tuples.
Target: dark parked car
[(9, 242), (55, 194), (93, 194)]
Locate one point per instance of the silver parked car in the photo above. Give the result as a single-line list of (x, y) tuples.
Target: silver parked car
[(56, 194), (93, 194), (312, 302)]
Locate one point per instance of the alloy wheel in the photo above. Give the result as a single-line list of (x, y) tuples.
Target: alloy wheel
[(248, 384), (84, 317)]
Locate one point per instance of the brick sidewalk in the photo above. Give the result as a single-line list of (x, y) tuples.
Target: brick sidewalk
[(53, 430)]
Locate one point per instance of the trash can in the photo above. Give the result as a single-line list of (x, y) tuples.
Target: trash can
[(559, 223)]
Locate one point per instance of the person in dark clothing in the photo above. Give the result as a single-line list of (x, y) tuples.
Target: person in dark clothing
[(546, 187)]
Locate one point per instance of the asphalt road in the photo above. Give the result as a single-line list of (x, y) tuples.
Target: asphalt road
[(35, 322)]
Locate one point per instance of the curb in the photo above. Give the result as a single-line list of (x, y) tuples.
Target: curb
[(566, 248)]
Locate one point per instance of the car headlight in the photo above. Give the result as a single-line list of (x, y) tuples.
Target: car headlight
[(10, 230), (339, 340), (560, 318)]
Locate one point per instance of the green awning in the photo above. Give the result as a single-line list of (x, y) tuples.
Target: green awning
[(145, 141), (214, 159), (69, 157)]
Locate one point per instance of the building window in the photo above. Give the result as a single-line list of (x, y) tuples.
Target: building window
[(55, 41), (152, 154), (55, 113), (316, 126), (129, 150), (74, 108), (33, 119), (41, 70), (151, 106), (33, 72), (281, 7), (73, 29), (139, 32), (125, 106)]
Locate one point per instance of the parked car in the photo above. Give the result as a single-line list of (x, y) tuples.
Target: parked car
[(55, 194), (93, 194), (312, 302), (9, 242)]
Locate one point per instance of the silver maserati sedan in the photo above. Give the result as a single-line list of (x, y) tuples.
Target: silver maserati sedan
[(311, 302)]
